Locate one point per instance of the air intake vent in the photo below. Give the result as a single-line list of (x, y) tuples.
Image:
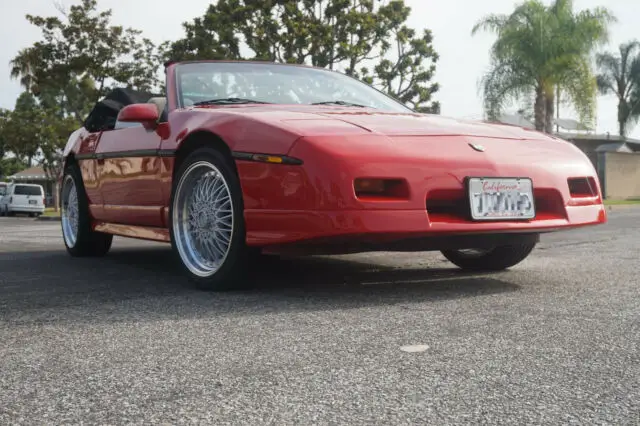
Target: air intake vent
[(582, 187)]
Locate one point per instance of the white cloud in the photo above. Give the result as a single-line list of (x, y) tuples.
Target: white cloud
[(463, 58)]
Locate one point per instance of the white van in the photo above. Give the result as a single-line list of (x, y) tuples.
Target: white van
[(22, 198)]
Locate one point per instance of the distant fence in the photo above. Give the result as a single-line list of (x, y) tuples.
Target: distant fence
[(619, 175)]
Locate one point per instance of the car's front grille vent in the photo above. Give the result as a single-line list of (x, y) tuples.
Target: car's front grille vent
[(450, 205)]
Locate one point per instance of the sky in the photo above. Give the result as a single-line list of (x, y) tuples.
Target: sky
[(463, 58)]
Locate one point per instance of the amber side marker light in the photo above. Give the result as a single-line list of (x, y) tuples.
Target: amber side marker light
[(381, 188), (266, 158)]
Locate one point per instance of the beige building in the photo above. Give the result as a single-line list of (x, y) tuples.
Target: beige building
[(616, 159)]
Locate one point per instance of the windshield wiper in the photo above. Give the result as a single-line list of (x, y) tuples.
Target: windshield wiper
[(343, 103), (229, 101)]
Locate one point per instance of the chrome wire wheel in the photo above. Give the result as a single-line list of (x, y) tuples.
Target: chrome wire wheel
[(202, 219), (69, 214)]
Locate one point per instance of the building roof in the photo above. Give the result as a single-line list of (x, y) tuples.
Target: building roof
[(516, 120), (600, 137), (570, 124), (614, 147), (32, 173)]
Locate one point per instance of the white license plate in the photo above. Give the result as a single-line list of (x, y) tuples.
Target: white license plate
[(501, 198), (33, 201)]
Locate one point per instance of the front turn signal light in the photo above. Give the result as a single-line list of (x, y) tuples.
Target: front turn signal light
[(370, 186), (389, 189)]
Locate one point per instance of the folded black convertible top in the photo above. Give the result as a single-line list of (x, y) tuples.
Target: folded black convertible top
[(105, 111)]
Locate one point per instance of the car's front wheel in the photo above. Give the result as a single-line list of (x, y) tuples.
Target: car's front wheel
[(494, 259), (79, 237), (207, 221)]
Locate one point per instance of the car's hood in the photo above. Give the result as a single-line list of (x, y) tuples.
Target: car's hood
[(309, 120), (397, 124)]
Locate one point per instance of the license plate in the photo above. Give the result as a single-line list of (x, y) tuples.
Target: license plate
[(501, 198), (33, 201)]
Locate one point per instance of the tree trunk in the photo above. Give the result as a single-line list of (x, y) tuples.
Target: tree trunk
[(539, 109), (558, 109), (56, 196), (622, 119), (549, 109)]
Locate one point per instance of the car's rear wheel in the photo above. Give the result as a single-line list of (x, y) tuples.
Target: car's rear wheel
[(79, 237), (207, 221), (494, 259)]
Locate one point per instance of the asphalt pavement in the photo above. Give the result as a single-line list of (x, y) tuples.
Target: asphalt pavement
[(362, 339)]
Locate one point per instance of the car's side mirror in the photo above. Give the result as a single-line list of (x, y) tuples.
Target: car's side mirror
[(146, 114)]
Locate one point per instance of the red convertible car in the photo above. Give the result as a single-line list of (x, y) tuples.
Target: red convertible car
[(243, 158)]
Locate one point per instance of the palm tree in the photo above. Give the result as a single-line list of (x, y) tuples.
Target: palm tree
[(23, 66), (539, 49), (620, 75)]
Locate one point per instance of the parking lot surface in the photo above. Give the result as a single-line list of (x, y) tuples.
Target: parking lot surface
[(363, 339)]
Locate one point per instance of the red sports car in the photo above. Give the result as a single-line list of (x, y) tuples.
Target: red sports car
[(243, 158)]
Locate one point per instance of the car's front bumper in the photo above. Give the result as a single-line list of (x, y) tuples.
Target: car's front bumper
[(389, 228), (317, 200)]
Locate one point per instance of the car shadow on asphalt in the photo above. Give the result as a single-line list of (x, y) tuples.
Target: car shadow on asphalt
[(148, 283)]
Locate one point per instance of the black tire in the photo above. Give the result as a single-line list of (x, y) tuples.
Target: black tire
[(88, 243), (495, 259), (230, 274)]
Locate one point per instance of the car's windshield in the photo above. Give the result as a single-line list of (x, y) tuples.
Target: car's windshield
[(274, 83), (3, 190), (27, 190)]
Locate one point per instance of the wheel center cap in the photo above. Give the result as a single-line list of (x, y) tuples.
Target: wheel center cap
[(202, 222)]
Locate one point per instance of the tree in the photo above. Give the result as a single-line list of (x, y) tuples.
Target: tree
[(540, 49), (21, 129), (54, 134), (356, 37), (4, 147), (81, 55), (10, 166), (620, 75)]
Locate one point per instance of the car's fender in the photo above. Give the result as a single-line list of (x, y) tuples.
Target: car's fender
[(241, 132), (73, 142)]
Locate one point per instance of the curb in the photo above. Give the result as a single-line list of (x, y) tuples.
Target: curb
[(615, 207), (49, 218)]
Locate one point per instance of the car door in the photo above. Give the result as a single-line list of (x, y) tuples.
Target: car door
[(128, 171)]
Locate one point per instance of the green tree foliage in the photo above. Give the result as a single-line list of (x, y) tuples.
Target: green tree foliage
[(619, 74), (81, 56), (10, 166), (538, 49), (4, 148), (21, 129), (361, 38)]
